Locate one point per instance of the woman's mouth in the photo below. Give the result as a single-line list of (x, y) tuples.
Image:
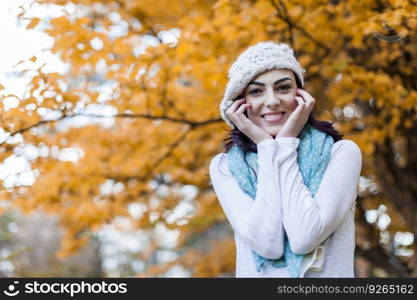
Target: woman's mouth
[(276, 117)]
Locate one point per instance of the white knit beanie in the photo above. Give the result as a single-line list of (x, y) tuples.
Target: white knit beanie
[(255, 60)]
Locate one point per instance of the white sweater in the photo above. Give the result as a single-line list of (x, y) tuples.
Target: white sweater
[(283, 202)]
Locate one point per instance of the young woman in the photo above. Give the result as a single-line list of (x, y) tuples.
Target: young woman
[(287, 183)]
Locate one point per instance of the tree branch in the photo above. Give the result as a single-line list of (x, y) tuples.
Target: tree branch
[(192, 124), (292, 25)]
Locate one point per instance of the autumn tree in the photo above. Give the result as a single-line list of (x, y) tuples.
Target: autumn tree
[(28, 244), (165, 126)]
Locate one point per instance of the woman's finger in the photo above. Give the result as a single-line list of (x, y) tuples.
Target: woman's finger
[(304, 104), (299, 107), (310, 101), (238, 102), (306, 95), (242, 108), (235, 105), (301, 99), (238, 116)]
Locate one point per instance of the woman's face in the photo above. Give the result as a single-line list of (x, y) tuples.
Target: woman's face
[(270, 93)]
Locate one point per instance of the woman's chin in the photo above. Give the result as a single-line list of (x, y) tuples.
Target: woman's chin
[(272, 131)]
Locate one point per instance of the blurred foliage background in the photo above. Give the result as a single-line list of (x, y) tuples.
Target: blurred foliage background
[(104, 164)]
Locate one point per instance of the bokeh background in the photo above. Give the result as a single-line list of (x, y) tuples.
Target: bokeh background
[(109, 119)]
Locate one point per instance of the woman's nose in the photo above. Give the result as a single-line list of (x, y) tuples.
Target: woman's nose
[(272, 99)]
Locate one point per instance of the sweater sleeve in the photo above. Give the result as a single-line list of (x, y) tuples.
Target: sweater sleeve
[(257, 221), (307, 221)]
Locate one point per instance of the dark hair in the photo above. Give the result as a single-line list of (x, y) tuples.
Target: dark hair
[(238, 138)]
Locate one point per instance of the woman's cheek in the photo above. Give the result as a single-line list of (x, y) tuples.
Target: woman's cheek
[(294, 105)]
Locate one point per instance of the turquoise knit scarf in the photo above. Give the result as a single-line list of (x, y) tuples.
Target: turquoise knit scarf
[(313, 154)]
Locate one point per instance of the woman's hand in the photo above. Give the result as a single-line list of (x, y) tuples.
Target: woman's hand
[(236, 112), (299, 116)]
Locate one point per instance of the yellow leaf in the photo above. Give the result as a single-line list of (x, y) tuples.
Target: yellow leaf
[(33, 23)]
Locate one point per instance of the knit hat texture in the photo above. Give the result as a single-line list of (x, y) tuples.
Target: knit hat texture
[(255, 60)]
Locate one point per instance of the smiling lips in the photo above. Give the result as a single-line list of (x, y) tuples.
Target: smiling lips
[(273, 117)]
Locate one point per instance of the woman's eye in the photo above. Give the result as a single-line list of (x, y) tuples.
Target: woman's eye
[(254, 91), (284, 87)]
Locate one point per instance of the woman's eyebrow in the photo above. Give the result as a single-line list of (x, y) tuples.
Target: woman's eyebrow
[(263, 84)]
